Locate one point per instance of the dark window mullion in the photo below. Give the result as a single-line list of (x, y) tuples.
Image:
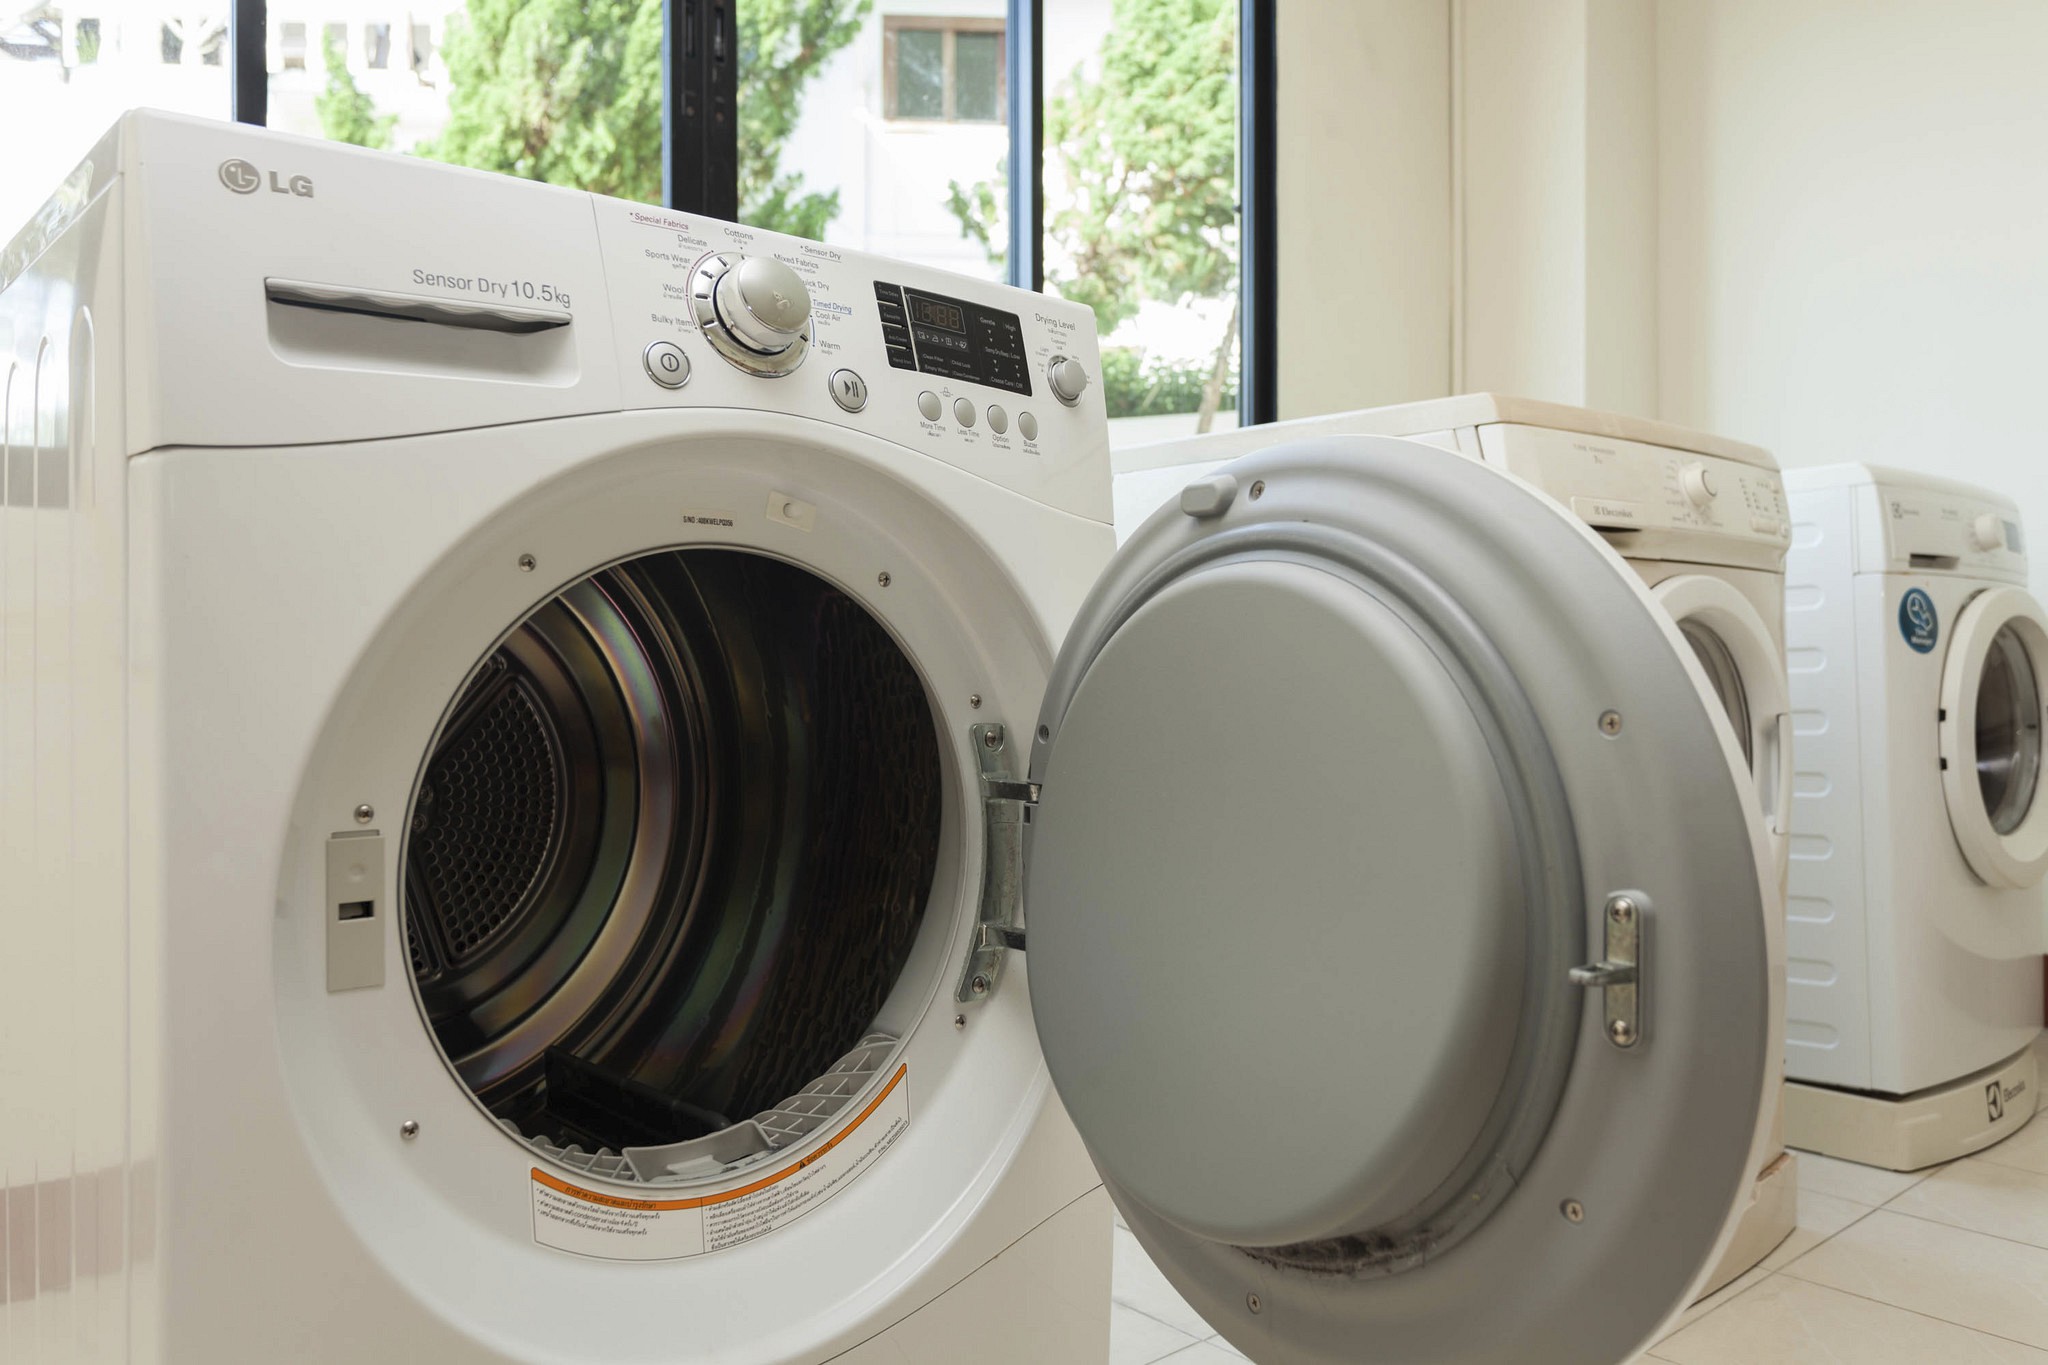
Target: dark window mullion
[(1258, 269), (700, 114), (1024, 61), (249, 87)]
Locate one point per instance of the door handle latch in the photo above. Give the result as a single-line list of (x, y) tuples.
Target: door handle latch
[(1618, 975)]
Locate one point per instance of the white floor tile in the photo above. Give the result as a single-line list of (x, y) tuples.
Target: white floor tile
[(1205, 1353), (1821, 1216), (1137, 1283), (1220, 1344), (1983, 1197), (1727, 1292), (1963, 1277), (1135, 1339), (1865, 1185), (2026, 1149), (1785, 1321)]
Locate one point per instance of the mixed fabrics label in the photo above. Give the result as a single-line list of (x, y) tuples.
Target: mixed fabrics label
[(618, 1227)]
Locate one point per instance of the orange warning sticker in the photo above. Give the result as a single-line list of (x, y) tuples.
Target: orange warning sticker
[(620, 1227)]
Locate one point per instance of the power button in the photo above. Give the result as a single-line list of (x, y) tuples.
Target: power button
[(666, 364)]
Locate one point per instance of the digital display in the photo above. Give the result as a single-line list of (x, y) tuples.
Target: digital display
[(933, 313), (953, 338)]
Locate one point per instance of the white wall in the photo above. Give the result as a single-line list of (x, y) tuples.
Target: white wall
[(1854, 232), (1364, 189)]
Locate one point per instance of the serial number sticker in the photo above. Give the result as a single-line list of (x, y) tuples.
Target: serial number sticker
[(724, 519), (616, 1227)]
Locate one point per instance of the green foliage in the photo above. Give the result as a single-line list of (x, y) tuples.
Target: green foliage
[(571, 93), (980, 212), (567, 91), (783, 44), (1134, 386), (1142, 156), (346, 113)]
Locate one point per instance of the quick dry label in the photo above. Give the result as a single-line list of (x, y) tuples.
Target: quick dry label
[(1917, 621), (617, 1227)]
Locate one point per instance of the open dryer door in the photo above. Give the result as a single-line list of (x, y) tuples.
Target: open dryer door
[(1397, 918)]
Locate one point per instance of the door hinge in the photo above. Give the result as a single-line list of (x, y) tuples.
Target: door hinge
[(1618, 976), (999, 929)]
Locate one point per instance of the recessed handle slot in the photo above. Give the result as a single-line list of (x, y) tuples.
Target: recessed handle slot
[(378, 303), (1934, 561)]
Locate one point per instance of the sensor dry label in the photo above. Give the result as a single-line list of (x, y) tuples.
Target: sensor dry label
[(618, 1227)]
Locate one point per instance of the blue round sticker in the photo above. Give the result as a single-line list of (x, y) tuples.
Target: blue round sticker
[(1917, 621)]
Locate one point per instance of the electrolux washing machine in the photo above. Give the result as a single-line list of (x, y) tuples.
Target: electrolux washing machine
[(554, 813), (1919, 672), (1698, 517)]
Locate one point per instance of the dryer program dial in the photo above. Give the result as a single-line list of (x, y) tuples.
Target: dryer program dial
[(754, 310)]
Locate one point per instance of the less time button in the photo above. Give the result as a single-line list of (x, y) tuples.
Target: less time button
[(666, 364)]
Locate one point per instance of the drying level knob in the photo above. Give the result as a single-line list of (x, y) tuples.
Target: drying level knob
[(1068, 379)]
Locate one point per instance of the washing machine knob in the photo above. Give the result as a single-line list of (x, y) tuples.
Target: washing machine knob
[(1988, 532), (754, 310), (1699, 484), (1068, 379)]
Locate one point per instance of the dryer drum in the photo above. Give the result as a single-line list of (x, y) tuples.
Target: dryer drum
[(671, 850)]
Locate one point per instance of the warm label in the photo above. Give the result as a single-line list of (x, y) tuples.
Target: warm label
[(618, 1227)]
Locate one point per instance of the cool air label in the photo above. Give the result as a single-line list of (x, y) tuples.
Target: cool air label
[(620, 1228)]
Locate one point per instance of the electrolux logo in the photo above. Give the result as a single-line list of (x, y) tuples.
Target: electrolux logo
[(243, 178), (1994, 1101)]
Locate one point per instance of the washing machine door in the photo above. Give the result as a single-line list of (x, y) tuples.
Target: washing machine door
[(1746, 667), (1396, 918), (1993, 683)]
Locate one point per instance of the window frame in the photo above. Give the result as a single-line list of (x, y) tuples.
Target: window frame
[(950, 27), (701, 152)]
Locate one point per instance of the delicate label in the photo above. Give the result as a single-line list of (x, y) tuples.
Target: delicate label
[(619, 1227)]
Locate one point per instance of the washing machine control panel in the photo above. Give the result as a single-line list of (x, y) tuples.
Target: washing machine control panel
[(991, 379), (1653, 500), (1938, 531)]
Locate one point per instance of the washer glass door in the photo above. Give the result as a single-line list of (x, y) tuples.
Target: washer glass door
[(1745, 667), (1398, 932), (1992, 709)]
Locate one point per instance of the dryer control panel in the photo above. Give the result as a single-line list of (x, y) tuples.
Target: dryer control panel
[(991, 379), (1653, 501), (1921, 530)]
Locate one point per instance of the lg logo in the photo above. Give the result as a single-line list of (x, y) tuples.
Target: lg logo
[(243, 178)]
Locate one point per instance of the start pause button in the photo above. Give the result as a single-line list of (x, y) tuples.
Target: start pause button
[(666, 364)]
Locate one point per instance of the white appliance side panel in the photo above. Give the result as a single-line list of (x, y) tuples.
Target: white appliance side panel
[(229, 367), (1827, 1031), (1955, 965), (1061, 1269), (64, 1134)]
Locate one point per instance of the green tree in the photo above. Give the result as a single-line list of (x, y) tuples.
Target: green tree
[(571, 93), (346, 113), (567, 91), (1141, 161)]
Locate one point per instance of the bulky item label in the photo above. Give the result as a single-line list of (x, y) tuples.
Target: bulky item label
[(619, 1227)]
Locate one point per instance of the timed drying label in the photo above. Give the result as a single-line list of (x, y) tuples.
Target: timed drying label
[(618, 1227), (1917, 621)]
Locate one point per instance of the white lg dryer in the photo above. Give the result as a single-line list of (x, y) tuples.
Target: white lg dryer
[(1920, 672), (572, 771)]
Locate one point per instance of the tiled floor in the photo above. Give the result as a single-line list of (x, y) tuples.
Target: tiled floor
[(1947, 1266)]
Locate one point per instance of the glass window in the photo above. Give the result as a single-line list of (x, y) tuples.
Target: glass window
[(68, 74), (569, 94), (860, 126), (920, 73), (1141, 188)]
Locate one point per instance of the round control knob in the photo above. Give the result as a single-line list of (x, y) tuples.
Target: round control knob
[(1699, 484), (1068, 379), (754, 310), (1987, 532)]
